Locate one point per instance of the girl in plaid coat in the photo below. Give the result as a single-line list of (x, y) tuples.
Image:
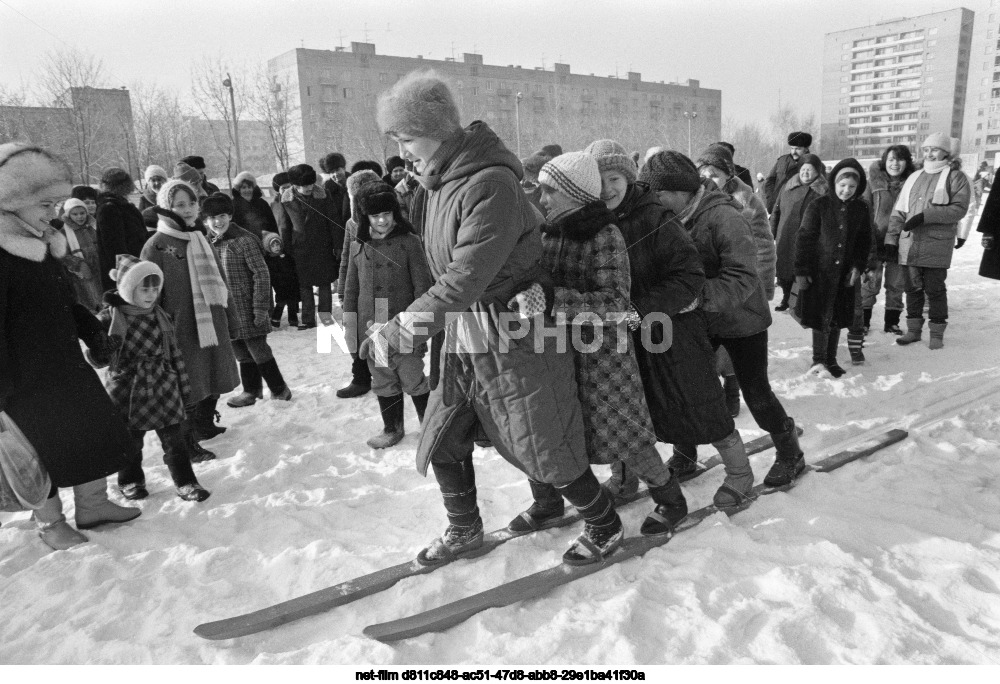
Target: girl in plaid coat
[(242, 257), (147, 379)]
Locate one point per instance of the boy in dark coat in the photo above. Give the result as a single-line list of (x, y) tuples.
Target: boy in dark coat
[(284, 281), (387, 264), (831, 253), (147, 379), (120, 228)]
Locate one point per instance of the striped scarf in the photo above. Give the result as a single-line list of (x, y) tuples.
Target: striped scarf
[(940, 197), (207, 286)]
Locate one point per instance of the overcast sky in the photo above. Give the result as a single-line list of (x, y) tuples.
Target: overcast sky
[(750, 49)]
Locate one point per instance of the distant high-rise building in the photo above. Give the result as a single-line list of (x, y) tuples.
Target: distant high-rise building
[(981, 133), (331, 94), (895, 82)]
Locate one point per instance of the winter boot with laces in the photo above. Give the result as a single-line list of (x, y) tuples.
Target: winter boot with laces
[(914, 330), (392, 433), (855, 344), (789, 462), (464, 534), (93, 507), (671, 508), (603, 531), (622, 483), (892, 322), (684, 461), (53, 528), (736, 492), (547, 505), (937, 335)]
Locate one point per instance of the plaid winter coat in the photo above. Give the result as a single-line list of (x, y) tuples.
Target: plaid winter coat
[(242, 258), (148, 387), (588, 259)]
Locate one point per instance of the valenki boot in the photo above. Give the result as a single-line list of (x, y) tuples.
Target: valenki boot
[(937, 335), (464, 533), (684, 460), (832, 342), (892, 322), (420, 404), (547, 505), (603, 531), (736, 490), (252, 387), (671, 508), (53, 528), (392, 433), (867, 314), (275, 382), (622, 483), (789, 462), (914, 328), (93, 507)]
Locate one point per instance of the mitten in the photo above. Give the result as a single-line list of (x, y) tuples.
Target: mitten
[(528, 303), (260, 319), (804, 282), (891, 254), (914, 221)]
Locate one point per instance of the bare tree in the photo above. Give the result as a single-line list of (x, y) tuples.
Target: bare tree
[(212, 100), (756, 148), (159, 125), (271, 101)]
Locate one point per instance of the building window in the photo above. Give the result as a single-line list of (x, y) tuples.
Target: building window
[(979, 127), (489, 85), (348, 93)]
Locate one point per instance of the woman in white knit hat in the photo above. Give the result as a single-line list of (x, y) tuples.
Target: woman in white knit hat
[(154, 177)]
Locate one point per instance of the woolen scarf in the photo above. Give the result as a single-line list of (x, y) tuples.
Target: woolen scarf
[(940, 197), (207, 286)]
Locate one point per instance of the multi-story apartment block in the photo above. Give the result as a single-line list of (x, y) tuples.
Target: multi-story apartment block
[(333, 95), (895, 82), (981, 132)]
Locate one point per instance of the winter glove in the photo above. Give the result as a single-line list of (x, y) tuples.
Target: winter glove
[(892, 254), (914, 221), (852, 278), (988, 241), (528, 303), (804, 282), (632, 319), (959, 243)]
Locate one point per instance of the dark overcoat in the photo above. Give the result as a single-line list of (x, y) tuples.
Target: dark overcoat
[(989, 224), (310, 232)]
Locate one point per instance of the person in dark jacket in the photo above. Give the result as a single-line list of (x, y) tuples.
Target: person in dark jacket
[(786, 217), (310, 229), (335, 166), (250, 211), (989, 226), (284, 280), (395, 169), (785, 167), (386, 261), (831, 254), (741, 172), (198, 164), (120, 228), (733, 299), (279, 183), (483, 246), (46, 387)]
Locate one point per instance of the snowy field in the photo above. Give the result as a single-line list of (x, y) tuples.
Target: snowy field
[(892, 559)]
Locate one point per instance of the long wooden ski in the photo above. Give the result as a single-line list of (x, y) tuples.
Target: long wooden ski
[(542, 582)]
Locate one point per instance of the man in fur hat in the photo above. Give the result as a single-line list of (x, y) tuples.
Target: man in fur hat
[(198, 164), (785, 167)]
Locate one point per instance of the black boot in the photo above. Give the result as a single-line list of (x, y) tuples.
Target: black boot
[(855, 345), (832, 342), (392, 419), (252, 387), (361, 379), (819, 342), (731, 386), (457, 482), (205, 419), (178, 456), (622, 483), (603, 531), (671, 509), (420, 403), (275, 381), (684, 460), (892, 322), (786, 292), (198, 452), (789, 461), (547, 505), (868, 319)]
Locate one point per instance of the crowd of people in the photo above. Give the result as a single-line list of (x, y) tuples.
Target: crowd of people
[(577, 307)]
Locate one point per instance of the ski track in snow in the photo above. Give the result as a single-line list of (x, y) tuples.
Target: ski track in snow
[(893, 559)]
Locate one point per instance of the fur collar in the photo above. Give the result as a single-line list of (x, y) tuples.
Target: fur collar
[(819, 186), (22, 240), (289, 194), (583, 224)]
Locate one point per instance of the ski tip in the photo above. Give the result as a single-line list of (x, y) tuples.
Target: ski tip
[(207, 631)]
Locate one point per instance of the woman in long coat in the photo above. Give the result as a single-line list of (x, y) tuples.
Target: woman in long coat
[(251, 212), (46, 387), (989, 226), (786, 218)]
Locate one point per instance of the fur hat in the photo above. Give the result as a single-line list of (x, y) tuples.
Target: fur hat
[(813, 161), (194, 161), (217, 203), (366, 165), (129, 273), (117, 180), (268, 238), (394, 162), (552, 151), (799, 139), (84, 192), (719, 157), (356, 180), (611, 156), (242, 178), (302, 174), (575, 174), (28, 171), (332, 162), (670, 170), (376, 198), (728, 146), (165, 197), (280, 178), (419, 104), (154, 171), (185, 172), (535, 162)]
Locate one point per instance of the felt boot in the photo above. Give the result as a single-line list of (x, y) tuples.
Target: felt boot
[(684, 460), (736, 491), (867, 313), (252, 388), (464, 533), (623, 482), (855, 344), (547, 505), (93, 507), (420, 404), (391, 408), (53, 528), (603, 531), (914, 329), (937, 335), (361, 379), (671, 508), (832, 342), (275, 381), (892, 322)]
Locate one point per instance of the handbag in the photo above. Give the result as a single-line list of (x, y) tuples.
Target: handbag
[(24, 482), (793, 303)]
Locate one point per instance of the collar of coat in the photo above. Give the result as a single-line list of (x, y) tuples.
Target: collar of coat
[(582, 224), (288, 195), (22, 240), (819, 186)]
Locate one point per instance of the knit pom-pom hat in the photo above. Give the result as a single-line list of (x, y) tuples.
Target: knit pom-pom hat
[(421, 105), (165, 197), (154, 171), (128, 274), (611, 156), (28, 171), (670, 171), (718, 156), (575, 174)]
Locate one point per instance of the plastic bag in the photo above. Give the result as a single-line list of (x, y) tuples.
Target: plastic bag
[(24, 482)]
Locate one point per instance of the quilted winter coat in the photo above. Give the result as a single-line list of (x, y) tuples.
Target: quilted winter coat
[(931, 244), (587, 257), (834, 238), (482, 242), (311, 233), (683, 394), (242, 258), (46, 386), (786, 219)]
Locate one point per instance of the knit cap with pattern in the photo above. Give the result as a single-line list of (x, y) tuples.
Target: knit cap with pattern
[(670, 170), (611, 156), (575, 174), (129, 274)]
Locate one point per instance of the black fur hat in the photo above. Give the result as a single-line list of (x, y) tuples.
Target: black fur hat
[(369, 165), (216, 204), (332, 162), (84, 192), (280, 178), (302, 174), (394, 162), (376, 198), (194, 161)]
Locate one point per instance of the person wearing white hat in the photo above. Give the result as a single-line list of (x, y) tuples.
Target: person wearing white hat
[(154, 177), (922, 231)]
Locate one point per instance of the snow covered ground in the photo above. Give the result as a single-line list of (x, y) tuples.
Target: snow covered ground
[(893, 559)]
